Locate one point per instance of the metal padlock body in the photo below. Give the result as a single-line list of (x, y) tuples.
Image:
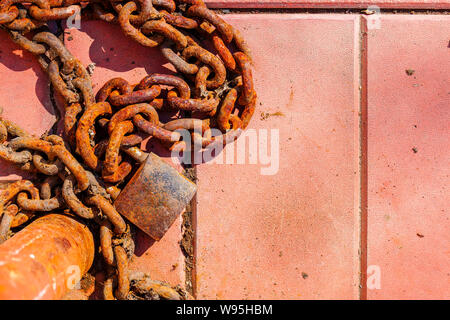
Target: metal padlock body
[(155, 196)]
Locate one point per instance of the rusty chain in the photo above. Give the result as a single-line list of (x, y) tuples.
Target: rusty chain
[(82, 173)]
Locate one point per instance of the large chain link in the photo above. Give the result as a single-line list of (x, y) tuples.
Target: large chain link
[(82, 173)]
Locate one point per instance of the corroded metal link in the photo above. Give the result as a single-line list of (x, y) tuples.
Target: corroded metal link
[(21, 217), (13, 129), (230, 136), (60, 86), (188, 124), (24, 25), (248, 112), (108, 209), (137, 154), (106, 235), (200, 82), (144, 95), (65, 3), (131, 140), (167, 31), (32, 143), (47, 185), (236, 122), (226, 109), (196, 105), (169, 80), (114, 191), (46, 167), (224, 52), (72, 165), (8, 154), (169, 5), (132, 32), (114, 84), (122, 172), (248, 90), (46, 205), (83, 136), (142, 285), (70, 65), (128, 141), (70, 121), (208, 58), (58, 47), (178, 62), (206, 27), (154, 130), (201, 140), (6, 221), (13, 189), (53, 13), (97, 186), (130, 111), (54, 139), (9, 15), (179, 21), (6, 4), (3, 133), (28, 167), (84, 85), (108, 289), (203, 12), (72, 200), (111, 164), (123, 283), (24, 42), (146, 11)]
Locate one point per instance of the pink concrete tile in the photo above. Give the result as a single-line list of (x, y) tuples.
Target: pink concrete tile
[(115, 55), (24, 95), (404, 4), (163, 260), (408, 157), (294, 234)]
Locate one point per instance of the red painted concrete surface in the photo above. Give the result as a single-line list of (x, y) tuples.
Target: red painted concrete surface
[(297, 234), (294, 234), (291, 4), (409, 157)]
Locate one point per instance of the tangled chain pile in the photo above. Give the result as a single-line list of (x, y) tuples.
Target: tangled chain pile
[(83, 171)]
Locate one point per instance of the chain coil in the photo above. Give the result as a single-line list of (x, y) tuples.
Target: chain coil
[(82, 173)]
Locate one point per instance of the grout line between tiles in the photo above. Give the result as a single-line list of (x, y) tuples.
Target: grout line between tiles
[(364, 159)]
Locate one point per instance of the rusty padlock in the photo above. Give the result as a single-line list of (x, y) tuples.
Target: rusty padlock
[(155, 196)]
